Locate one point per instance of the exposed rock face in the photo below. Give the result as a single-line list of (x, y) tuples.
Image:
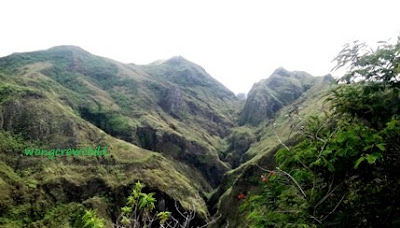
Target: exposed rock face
[(35, 120), (269, 95), (173, 102), (240, 141), (182, 149)]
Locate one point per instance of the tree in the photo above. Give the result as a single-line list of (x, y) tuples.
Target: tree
[(344, 171), (368, 65), (373, 86), (138, 212)]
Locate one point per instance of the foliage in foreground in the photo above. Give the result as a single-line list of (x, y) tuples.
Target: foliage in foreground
[(90, 220), (139, 212), (345, 170)]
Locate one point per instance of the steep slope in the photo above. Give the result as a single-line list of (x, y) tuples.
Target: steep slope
[(65, 97), (144, 105), (33, 187), (269, 95), (195, 96), (258, 150), (168, 124)]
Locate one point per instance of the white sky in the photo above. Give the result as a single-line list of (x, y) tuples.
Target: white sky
[(237, 42)]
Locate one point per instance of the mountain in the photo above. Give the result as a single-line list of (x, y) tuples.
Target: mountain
[(65, 97), (269, 95), (168, 124), (274, 111)]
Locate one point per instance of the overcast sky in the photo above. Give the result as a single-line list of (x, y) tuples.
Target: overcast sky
[(237, 42)]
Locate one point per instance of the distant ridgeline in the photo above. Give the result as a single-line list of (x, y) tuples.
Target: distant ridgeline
[(168, 124)]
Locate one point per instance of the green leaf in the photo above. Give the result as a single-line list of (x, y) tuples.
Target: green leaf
[(381, 146), (371, 158), (163, 216), (316, 162), (359, 161), (328, 165), (367, 147), (125, 221), (126, 210)]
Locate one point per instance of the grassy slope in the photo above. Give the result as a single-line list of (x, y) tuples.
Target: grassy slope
[(131, 99), (76, 179), (41, 98), (246, 178), (48, 98), (269, 95)]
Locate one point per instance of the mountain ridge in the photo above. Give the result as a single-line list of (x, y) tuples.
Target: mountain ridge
[(170, 118)]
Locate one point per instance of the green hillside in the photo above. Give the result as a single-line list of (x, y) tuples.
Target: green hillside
[(299, 151), (258, 150), (328, 157), (65, 97)]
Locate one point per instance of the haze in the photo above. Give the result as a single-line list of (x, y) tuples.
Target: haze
[(237, 42)]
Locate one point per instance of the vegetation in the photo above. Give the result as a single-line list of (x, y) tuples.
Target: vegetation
[(344, 171), (240, 140), (90, 220), (139, 212), (333, 168), (110, 121), (270, 95), (46, 102)]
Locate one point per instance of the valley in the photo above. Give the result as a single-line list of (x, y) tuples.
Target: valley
[(168, 124)]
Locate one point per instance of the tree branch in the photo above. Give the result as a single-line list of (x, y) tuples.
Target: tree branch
[(334, 209), (294, 180)]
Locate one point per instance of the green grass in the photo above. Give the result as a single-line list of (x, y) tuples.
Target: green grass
[(66, 97)]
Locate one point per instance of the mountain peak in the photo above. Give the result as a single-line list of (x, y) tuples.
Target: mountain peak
[(328, 78), (269, 95), (175, 60), (282, 72), (69, 48)]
